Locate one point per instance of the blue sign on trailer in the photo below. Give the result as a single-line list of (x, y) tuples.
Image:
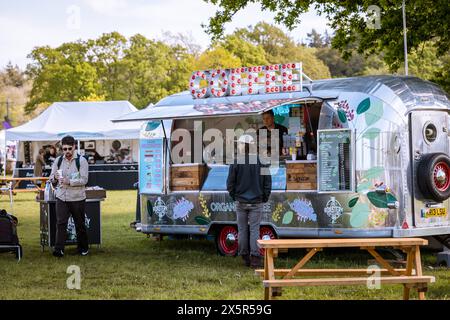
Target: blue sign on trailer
[(151, 168)]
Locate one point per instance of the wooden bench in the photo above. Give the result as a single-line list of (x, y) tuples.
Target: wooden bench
[(410, 277)]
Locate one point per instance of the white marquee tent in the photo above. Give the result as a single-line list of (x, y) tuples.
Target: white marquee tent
[(85, 121)]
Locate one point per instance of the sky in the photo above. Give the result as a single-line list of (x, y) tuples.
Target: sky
[(25, 24)]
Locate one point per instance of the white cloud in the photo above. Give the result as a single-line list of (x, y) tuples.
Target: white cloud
[(107, 7)]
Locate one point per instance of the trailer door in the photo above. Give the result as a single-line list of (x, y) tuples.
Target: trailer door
[(430, 167)]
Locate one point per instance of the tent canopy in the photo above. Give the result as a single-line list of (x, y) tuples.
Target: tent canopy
[(82, 120)]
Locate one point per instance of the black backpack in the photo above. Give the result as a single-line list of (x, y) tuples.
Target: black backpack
[(8, 229)]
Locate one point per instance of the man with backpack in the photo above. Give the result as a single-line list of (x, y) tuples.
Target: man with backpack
[(70, 175)]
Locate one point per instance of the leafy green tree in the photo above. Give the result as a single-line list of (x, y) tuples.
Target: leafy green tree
[(442, 76), (248, 53), (280, 48), (105, 55), (111, 67), (426, 20), (60, 75), (217, 58), (154, 70)]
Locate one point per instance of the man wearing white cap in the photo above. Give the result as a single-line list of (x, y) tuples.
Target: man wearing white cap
[(249, 186)]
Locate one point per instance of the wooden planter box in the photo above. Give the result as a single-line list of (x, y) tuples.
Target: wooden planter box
[(187, 176), (301, 176)]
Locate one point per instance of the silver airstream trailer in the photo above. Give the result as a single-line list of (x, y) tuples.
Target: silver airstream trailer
[(377, 161)]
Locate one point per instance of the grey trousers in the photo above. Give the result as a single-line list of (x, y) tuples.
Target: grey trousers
[(249, 219)]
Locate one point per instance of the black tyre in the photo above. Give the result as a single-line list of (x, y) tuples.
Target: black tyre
[(433, 176)]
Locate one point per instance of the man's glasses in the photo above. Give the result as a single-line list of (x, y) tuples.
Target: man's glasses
[(67, 149)]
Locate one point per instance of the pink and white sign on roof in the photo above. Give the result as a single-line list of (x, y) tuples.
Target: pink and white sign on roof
[(274, 78)]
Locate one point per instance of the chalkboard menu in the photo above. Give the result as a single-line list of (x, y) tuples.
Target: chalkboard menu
[(334, 160), (151, 168)]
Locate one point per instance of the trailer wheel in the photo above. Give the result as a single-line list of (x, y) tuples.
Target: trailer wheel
[(266, 233), (227, 241), (433, 176)]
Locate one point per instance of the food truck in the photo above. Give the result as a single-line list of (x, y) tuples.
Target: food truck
[(363, 156)]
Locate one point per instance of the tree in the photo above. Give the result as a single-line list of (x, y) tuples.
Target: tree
[(426, 20), (12, 76), (217, 58), (315, 39), (105, 55), (111, 67), (154, 70), (184, 40), (60, 75), (280, 48), (248, 53), (442, 76)]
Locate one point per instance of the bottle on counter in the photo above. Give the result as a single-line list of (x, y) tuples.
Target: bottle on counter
[(285, 150), (304, 148), (292, 141), (298, 140)]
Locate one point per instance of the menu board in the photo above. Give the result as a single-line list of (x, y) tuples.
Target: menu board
[(151, 168), (335, 160)]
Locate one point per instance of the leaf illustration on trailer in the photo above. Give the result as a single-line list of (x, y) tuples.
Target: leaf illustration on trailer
[(364, 186), (360, 215), (287, 218), (375, 113), (352, 202), (373, 173), (342, 116), (390, 197), (371, 133), (381, 200), (363, 106), (202, 220), (377, 199)]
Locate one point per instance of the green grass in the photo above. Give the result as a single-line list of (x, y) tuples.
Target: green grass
[(131, 266)]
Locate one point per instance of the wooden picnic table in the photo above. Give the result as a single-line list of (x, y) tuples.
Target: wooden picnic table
[(39, 183), (410, 277)]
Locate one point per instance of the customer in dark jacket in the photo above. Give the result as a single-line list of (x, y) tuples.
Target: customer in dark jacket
[(249, 185)]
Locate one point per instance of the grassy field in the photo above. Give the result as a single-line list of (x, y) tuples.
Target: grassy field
[(131, 266)]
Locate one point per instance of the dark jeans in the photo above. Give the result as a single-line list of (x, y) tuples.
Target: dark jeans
[(63, 212), (248, 214)]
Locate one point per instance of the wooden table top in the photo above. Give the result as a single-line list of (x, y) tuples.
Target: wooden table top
[(336, 243), (7, 179)]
